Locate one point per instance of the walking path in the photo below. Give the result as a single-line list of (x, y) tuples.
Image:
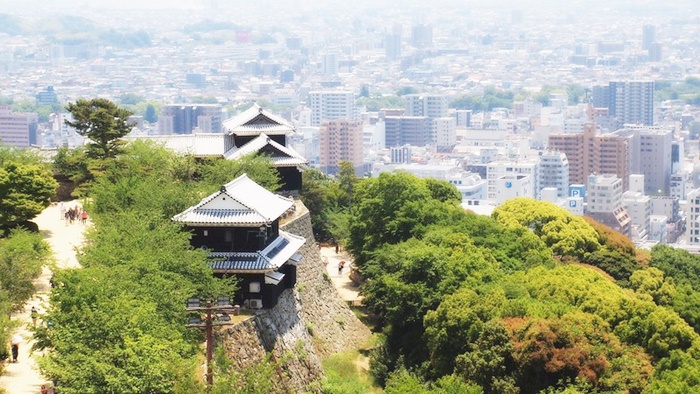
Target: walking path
[(23, 377), (346, 288)]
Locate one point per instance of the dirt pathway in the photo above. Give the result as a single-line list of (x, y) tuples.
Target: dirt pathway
[(23, 377), (346, 288)]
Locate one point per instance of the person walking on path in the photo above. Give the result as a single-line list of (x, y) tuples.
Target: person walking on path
[(14, 344), (341, 265), (25, 377), (34, 314)]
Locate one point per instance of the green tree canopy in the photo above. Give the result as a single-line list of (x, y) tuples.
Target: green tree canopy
[(25, 190), (103, 122), (565, 233), (119, 322)]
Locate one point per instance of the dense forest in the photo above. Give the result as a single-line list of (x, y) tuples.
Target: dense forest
[(532, 299)]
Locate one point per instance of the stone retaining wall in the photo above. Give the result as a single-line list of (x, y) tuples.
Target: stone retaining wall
[(308, 322)]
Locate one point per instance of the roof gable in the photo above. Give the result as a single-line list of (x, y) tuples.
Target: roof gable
[(256, 120), (260, 119), (223, 201), (241, 202), (280, 155)]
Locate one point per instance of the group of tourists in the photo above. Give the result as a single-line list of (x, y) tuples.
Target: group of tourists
[(70, 215)]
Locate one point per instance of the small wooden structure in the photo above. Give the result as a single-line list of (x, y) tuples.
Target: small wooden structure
[(239, 227)]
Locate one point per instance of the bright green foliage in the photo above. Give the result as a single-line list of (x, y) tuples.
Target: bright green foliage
[(489, 361), (565, 233), (443, 191), (103, 122), (411, 278), (677, 263), (393, 208), (118, 323), (658, 333), (344, 377), (315, 195), (25, 190), (478, 299), (128, 182), (617, 256), (679, 373), (452, 327), (684, 269), (514, 249), (72, 165), (106, 339), (651, 281), (459, 330), (217, 172), (22, 255), (686, 302), (347, 181), (404, 382)]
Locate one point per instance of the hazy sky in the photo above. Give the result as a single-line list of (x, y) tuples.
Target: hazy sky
[(686, 6)]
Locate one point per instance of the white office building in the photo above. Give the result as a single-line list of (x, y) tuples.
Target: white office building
[(430, 105), (638, 206), (498, 169), (681, 185), (692, 212), (329, 105), (650, 154), (554, 173), (444, 132), (604, 198), (512, 186)]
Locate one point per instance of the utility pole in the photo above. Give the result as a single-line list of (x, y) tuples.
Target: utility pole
[(222, 308)]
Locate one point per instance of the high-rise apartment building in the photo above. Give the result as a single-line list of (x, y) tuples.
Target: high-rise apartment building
[(444, 133), (392, 45), (184, 118), (588, 153), (433, 106), (18, 129), (330, 105), (693, 216), (422, 35), (604, 196), (340, 140), (47, 96), (627, 101), (331, 63), (554, 172), (407, 130), (430, 105), (650, 149), (655, 52), (648, 36)]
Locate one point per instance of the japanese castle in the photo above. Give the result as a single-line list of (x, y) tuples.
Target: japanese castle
[(255, 130), (239, 227)]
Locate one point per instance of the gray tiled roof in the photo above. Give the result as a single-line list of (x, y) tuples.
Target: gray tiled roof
[(285, 157), (270, 259), (256, 120), (239, 202)]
